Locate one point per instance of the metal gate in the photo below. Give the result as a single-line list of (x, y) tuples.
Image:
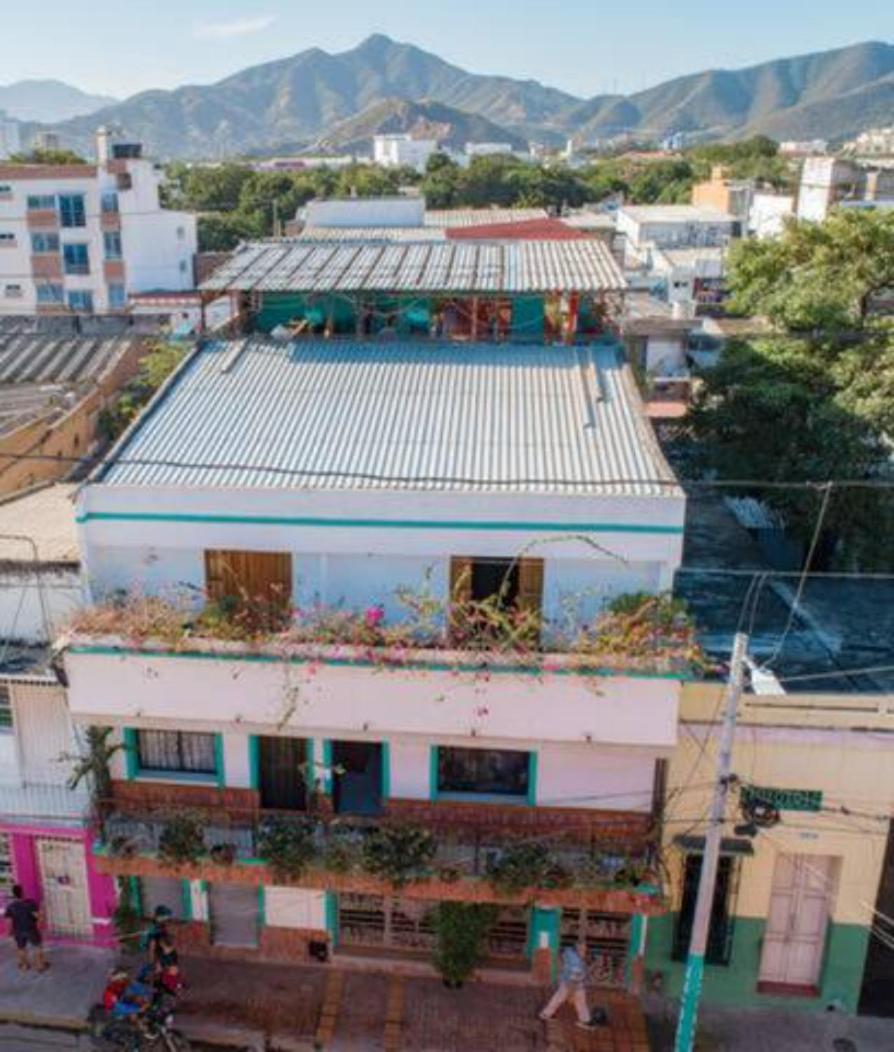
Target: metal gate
[(233, 914), (63, 878), (161, 891)]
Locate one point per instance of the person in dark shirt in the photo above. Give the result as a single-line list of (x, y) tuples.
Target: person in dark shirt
[(24, 926)]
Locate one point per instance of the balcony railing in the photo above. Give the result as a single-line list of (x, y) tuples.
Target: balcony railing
[(388, 848)]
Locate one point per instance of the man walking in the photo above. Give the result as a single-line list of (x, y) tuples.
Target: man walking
[(572, 977), (24, 926)]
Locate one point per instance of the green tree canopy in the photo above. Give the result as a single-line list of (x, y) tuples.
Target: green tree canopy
[(817, 277)]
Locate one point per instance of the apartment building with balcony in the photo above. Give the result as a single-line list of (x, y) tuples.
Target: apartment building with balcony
[(377, 590), (82, 238)]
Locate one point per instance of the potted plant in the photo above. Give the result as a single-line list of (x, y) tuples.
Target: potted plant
[(182, 839), (224, 854), (461, 929), (287, 845), (522, 866), (399, 853)]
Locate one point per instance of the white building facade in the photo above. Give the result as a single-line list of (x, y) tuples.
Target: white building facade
[(83, 237), (403, 151), (410, 511)]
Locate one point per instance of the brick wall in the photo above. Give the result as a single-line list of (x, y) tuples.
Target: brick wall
[(581, 824), (160, 795), (274, 945)]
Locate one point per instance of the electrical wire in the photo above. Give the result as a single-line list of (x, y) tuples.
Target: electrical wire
[(802, 582)]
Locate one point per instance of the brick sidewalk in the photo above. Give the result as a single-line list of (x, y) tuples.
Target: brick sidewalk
[(367, 1011)]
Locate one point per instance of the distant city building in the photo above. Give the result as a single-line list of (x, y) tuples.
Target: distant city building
[(675, 226), (723, 193), (402, 151), (874, 142), (82, 238), (829, 182), (803, 147), (487, 149), (46, 140), (10, 137), (768, 212)]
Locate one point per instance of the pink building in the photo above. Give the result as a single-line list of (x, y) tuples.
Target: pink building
[(44, 837)]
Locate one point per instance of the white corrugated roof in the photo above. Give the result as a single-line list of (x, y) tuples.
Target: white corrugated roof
[(372, 233), (457, 217), (448, 266), (676, 214), (324, 415)]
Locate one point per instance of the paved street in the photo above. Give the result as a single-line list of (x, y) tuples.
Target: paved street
[(760, 1030)]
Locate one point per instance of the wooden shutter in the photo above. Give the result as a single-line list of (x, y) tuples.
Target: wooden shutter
[(530, 592), (530, 585), (460, 593), (248, 575)]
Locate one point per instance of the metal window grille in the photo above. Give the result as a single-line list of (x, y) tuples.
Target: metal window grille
[(176, 751)]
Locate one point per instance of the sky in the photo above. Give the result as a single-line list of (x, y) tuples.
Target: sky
[(586, 47)]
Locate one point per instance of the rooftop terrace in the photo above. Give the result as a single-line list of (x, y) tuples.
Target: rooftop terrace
[(585, 266)]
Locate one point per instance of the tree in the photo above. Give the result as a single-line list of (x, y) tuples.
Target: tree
[(38, 156), (789, 409), (817, 277)]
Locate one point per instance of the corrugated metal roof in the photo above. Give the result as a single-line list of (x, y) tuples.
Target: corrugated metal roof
[(39, 374), (372, 233), (449, 266), (483, 417), (37, 359), (447, 217)]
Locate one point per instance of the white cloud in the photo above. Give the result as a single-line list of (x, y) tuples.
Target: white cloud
[(238, 27)]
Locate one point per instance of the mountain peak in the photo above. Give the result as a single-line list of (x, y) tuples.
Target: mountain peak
[(293, 102), (375, 42)]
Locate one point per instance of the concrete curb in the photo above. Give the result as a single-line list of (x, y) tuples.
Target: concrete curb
[(210, 1032), (72, 1024)]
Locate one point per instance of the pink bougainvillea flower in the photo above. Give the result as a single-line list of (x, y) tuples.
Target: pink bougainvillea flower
[(374, 616)]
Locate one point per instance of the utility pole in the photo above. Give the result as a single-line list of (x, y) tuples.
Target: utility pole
[(695, 961)]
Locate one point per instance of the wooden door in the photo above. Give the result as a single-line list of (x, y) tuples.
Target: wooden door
[(282, 772), (357, 781), (63, 878), (795, 936)]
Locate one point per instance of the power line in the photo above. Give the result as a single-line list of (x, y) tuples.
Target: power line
[(808, 559), (669, 483)]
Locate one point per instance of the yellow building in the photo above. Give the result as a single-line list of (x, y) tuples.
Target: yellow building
[(796, 902)]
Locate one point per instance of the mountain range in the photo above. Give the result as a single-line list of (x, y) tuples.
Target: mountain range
[(48, 100), (340, 100)]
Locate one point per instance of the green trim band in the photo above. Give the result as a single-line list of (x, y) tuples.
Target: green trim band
[(532, 779), (433, 773), (131, 756), (254, 762), (385, 781), (332, 917), (186, 899), (219, 761), (387, 524), (411, 666)]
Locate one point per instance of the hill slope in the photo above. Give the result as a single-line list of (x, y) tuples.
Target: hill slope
[(48, 100), (771, 98), (423, 120), (300, 99)]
